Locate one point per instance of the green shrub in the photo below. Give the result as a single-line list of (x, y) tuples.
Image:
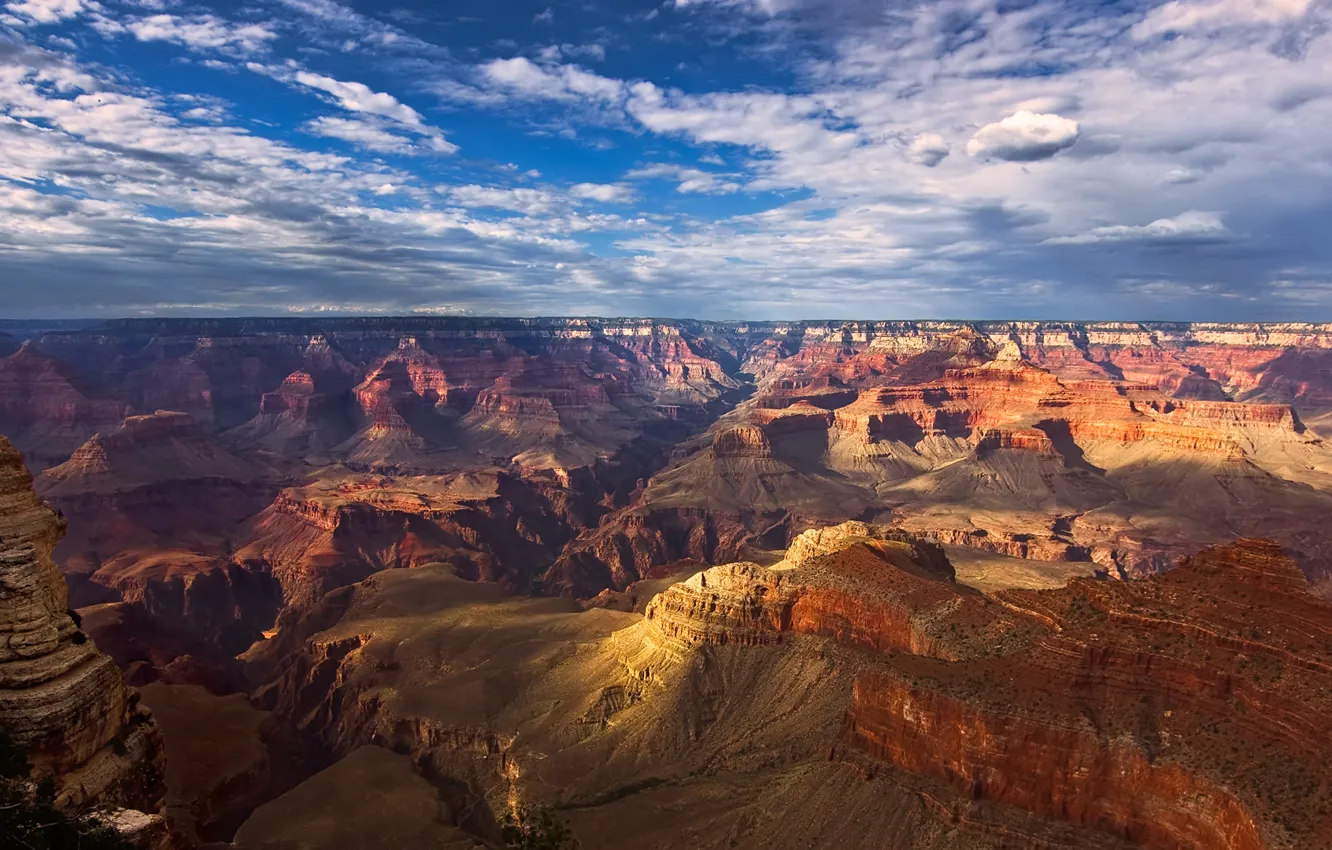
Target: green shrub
[(536, 829)]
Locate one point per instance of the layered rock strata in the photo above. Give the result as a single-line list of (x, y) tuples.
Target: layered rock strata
[(60, 698)]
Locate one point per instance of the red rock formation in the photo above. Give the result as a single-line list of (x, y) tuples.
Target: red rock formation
[(44, 414), (156, 509), (1182, 711)]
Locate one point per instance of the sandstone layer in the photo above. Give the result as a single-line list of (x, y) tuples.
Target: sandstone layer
[(60, 698)]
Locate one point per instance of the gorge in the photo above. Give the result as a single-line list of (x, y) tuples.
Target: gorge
[(704, 584)]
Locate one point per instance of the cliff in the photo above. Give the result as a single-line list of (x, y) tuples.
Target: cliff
[(60, 698), (853, 675)]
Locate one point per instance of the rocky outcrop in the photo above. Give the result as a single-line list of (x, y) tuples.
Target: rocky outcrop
[(1166, 712), (1182, 711), (60, 698)]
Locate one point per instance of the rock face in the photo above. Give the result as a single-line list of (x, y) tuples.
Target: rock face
[(155, 508), (1180, 711), (1160, 711), (1018, 441), (60, 698), (215, 472), (43, 412)]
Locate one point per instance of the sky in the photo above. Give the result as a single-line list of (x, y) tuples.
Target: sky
[(716, 159)]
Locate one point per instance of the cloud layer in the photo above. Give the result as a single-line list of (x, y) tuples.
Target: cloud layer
[(718, 158)]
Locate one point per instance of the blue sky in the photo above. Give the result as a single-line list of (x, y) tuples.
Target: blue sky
[(763, 159)]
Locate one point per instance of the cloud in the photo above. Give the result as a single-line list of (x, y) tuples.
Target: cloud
[(122, 181), (361, 133), (199, 32), (1181, 176), (369, 132), (523, 200), (1024, 137), (1186, 228), (522, 77), (607, 193), (1186, 16), (928, 149), (358, 97), (688, 180), (49, 11)]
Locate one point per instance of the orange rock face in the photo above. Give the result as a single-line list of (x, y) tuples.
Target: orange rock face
[(1181, 711), (625, 445)]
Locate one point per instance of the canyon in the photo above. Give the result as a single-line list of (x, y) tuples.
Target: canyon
[(702, 583)]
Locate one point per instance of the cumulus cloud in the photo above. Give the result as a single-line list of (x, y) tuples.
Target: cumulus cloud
[(199, 32), (1024, 137), (839, 206), (522, 77), (523, 200), (358, 97), (359, 132), (49, 11), (928, 149), (688, 180), (376, 108), (607, 193), (1187, 227)]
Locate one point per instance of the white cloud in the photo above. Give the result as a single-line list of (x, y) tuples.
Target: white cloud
[(1024, 137), (688, 180), (1184, 16), (199, 32), (928, 149), (1180, 176), (49, 11), (370, 132), (607, 193), (358, 97), (523, 200), (523, 77), (361, 133), (1191, 226)]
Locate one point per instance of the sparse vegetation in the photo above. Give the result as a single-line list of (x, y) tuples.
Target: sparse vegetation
[(536, 829), (29, 818)]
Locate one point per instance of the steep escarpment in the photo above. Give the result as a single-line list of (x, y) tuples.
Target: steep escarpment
[(991, 451), (155, 509), (1180, 711), (339, 529), (46, 410), (60, 698), (1161, 711)]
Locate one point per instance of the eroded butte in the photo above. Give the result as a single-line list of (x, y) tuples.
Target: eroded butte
[(852, 584)]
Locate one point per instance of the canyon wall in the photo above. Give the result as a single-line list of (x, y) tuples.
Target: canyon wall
[(217, 471), (60, 698), (1181, 711)]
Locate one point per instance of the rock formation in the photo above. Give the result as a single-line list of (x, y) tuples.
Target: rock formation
[(579, 455), (1180, 711), (60, 698)]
